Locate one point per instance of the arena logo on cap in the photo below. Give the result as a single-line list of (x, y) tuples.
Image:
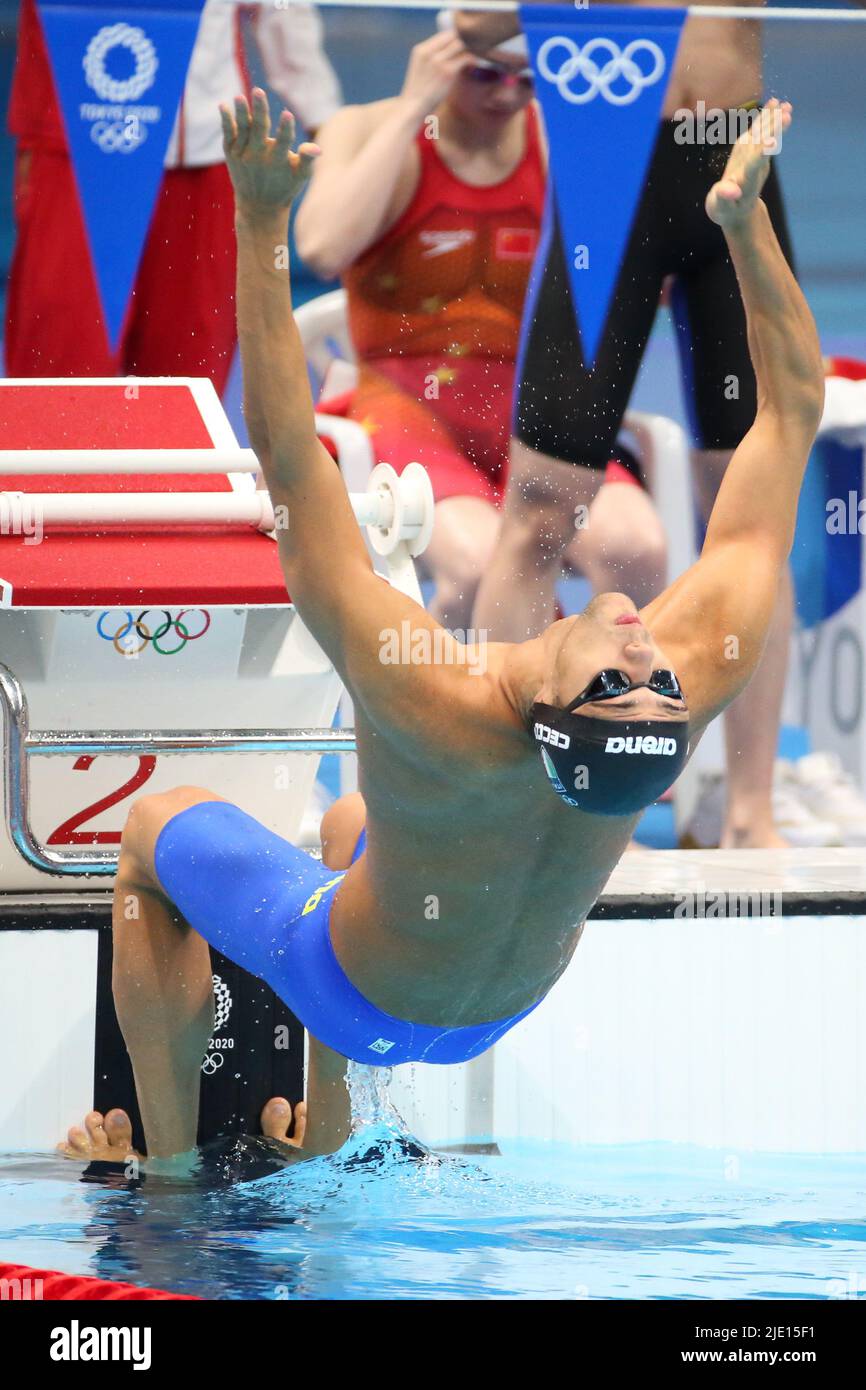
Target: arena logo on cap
[(119, 127), (643, 743)]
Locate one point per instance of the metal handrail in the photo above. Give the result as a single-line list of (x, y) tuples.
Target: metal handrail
[(19, 745), (802, 12)]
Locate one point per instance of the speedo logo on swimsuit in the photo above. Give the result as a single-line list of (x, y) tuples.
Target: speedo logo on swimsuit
[(440, 243), (545, 734), (645, 743)]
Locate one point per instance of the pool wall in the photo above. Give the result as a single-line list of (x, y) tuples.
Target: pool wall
[(733, 1033)]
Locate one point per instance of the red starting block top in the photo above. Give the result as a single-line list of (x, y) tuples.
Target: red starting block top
[(121, 566)]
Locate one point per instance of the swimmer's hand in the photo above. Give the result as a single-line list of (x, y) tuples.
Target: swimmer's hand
[(483, 32), (731, 201), (433, 66), (266, 172)]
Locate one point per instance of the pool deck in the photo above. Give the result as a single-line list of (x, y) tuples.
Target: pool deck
[(782, 882), (645, 884)]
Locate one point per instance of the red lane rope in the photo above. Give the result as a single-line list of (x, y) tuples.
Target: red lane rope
[(51, 1284)]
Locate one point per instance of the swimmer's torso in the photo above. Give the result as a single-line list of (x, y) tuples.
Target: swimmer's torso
[(449, 273), (468, 903)]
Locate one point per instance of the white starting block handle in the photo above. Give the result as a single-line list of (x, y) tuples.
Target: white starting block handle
[(403, 523), (395, 510), (403, 511), (25, 462), (99, 509)]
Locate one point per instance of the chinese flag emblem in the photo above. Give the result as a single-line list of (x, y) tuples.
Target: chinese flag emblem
[(516, 243)]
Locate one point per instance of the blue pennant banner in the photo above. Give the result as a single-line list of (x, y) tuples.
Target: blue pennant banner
[(826, 560), (601, 77), (119, 71)]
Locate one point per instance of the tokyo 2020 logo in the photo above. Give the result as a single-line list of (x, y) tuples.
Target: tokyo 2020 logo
[(96, 74)]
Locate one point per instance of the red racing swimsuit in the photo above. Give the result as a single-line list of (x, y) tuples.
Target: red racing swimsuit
[(435, 307)]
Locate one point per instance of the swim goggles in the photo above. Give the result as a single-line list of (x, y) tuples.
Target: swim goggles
[(607, 685), (489, 74)]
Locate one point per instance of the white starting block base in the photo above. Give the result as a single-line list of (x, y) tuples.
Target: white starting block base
[(249, 662), (251, 669)]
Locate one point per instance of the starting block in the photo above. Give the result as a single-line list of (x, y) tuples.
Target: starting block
[(146, 640), (141, 599)]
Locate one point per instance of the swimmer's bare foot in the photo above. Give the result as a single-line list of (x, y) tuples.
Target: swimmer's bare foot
[(108, 1139), (753, 837), (105, 1139), (733, 198), (276, 1117)]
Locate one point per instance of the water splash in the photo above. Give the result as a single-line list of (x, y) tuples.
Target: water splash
[(369, 1094), (379, 1132)]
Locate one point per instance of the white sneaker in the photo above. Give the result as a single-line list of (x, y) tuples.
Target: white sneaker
[(827, 791), (704, 830), (308, 834), (794, 819)]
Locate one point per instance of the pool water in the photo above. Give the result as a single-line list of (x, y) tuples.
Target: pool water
[(384, 1219)]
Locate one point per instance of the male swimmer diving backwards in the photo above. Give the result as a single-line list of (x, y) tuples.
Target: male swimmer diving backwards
[(505, 799)]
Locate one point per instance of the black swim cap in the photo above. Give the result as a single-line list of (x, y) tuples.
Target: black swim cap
[(608, 767)]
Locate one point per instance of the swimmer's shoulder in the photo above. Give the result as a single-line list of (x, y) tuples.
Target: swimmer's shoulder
[(455, 712), (487, 718)]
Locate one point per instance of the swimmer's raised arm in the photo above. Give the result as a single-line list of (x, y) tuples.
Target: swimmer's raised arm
[(328, 572), (731, 592), (761, 488), (363, 160)]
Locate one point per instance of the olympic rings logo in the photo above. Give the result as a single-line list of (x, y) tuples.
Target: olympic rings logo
[(113, 136), (139, 45), (619, 64), (123, 638)]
